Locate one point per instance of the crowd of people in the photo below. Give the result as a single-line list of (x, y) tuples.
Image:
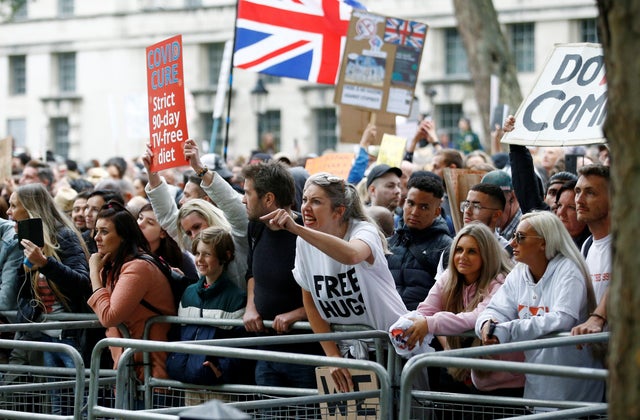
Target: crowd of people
[(266, 241)]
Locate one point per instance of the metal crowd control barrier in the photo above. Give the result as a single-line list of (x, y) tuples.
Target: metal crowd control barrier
[(465, 358), (232, 348), (380, 339), (36, 391), (78, 383)]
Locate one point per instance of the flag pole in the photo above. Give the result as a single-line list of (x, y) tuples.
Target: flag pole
[(225, 149)]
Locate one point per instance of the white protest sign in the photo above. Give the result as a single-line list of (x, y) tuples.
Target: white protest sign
[(567, 105)]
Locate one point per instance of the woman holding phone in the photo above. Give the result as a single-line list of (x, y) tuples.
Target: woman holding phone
[(54, 277)]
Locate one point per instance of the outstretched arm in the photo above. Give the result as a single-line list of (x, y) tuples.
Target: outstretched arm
[(346, 252), (523, 175)]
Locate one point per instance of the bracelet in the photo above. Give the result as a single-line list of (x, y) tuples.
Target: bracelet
[(202, 171), (97, 290), (27, 263), (598, 316)]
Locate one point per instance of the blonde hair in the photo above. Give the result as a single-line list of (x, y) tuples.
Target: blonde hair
[(343, 194), (38, 203), (559, 242), (213, 215)]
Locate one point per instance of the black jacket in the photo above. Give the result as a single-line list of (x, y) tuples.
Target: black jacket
[(526, 184), (70, 275), (414, 259)]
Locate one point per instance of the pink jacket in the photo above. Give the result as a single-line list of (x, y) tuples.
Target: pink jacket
[(138, 280), (449, 323)]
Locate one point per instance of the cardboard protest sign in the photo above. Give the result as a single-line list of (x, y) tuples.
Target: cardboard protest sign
[(458, 183), (391, 150), (338, 164), (6, 146), (167, 115), (353, 121), (567, 105), (380, 65), (363, 380)]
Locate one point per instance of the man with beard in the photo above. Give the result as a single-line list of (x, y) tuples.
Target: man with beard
[(592, 206), (272, 292)]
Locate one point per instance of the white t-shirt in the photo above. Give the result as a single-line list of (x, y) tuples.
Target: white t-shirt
[(599, 263), (350, 294)]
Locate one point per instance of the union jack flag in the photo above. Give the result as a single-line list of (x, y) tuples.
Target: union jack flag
[(302, 39), (405, 32)]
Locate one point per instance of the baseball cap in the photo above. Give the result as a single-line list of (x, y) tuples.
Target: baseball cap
[(64, 199), (260, 157), (381, 170), (215, 163), (499, 178)]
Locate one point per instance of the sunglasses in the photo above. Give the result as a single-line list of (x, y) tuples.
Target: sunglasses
[(519, 237)]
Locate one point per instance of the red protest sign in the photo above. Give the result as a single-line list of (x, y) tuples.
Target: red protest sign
[(165, 91)]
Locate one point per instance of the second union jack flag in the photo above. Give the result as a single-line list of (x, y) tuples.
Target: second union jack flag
[(302, 39), (405, 32)]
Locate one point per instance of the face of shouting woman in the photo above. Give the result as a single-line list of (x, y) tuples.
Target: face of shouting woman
[(317, 211)]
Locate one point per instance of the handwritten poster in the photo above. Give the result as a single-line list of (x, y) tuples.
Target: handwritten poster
[(379, 69), (568, 104)]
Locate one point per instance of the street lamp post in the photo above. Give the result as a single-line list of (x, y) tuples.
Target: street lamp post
[(259, 95)]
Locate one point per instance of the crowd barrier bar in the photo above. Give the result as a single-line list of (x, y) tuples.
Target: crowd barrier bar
[(464, 358), (380, 339), (131, 346)]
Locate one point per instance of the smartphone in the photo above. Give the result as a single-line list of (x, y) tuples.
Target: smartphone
[(31, 229), (571, 162)]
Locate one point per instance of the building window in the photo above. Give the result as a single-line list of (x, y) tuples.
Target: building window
[(272, 80), (17, 74), (326, 122), (17, 128), (269, 122), (455, 54), (66, 8), (214, 58), (67, 72), (589, 30), (60, 134), (523, 46), (20, 13), (206, 124), (448, 117), (192, 4)]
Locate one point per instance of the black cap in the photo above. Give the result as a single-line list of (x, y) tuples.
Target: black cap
[(381, 170)]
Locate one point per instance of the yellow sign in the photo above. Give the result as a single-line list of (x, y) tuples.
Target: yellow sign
[(392, 150)]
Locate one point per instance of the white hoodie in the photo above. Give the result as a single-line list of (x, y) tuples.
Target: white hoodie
[(526, 310)]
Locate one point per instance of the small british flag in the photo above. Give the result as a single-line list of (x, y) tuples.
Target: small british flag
[(405, 32)]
